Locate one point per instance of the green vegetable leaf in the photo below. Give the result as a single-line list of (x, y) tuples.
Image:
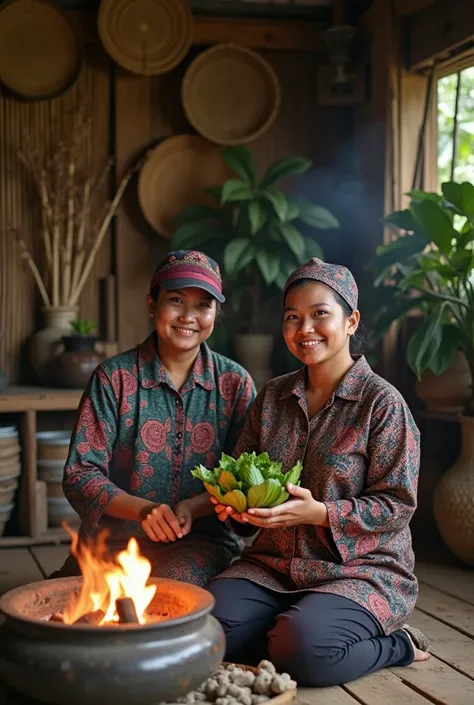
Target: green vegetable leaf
[(235, 190), (227, 481), (249, 473), (235, 499), (265, 494), (227, 462), (287, 166), (203, 474), (293, 475), (241, 160), (214, 490), (283, 496)]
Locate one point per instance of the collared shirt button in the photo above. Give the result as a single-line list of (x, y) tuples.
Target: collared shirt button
[(179, 434)]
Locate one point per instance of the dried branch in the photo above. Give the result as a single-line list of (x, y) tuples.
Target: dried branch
[(27, 256)]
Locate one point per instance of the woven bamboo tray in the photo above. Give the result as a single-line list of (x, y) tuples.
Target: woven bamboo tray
[(147, 37), (230, 94)]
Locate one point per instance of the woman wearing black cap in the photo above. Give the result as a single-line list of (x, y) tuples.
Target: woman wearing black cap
[(148, 417), (327, 586)]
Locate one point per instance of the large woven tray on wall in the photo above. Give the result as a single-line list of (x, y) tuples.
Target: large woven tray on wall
[(230, 94), (147, 37), (40, 56), (175, 175)]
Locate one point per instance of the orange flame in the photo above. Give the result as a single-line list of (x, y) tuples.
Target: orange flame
[(105, 581)]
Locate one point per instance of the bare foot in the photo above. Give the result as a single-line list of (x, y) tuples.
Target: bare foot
[(419, 655)]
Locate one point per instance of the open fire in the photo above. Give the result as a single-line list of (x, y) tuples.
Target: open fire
[(112, 592)]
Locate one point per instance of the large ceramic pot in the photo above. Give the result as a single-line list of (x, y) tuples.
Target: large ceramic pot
[(124, 664), (254, 352), (47, 343), (454, 499), (448, 392), (75, 364)]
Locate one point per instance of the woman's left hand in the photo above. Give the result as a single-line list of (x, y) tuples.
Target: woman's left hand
[(185, 516), (303, 509)]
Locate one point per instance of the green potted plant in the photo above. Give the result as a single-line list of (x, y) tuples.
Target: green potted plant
[(430, 268), (254, 230), (79, 358)]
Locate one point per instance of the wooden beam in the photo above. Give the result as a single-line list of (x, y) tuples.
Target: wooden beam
[(405, 8), (437, 30), (254, 33)]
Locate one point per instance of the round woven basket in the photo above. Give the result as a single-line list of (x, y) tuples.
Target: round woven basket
[(175, 175), (40, 56), (147, 37), (230, 94)]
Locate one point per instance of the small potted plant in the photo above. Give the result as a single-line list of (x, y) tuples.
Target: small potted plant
[(75, 364), (429, 269), (255, 231)]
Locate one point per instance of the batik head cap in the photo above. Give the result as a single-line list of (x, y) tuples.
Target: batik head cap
[(335, 276), (189, 268)]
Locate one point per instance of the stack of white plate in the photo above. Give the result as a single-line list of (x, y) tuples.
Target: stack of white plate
[(53, 448), (10, 469)]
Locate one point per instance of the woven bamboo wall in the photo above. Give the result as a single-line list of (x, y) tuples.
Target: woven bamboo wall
[(42, 120)]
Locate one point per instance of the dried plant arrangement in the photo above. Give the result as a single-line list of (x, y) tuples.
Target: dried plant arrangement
[(75, 217)]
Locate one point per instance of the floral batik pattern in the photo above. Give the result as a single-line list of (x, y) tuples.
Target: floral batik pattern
[(361, 458), (136, 433)]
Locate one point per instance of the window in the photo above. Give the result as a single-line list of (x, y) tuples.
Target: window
[(456, 126)]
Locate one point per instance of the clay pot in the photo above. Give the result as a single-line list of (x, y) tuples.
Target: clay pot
[(75, 364), (46, 343), (139, 664), (453, 500), (448, 392)]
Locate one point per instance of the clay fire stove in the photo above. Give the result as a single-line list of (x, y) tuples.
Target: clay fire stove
[(114, 635)]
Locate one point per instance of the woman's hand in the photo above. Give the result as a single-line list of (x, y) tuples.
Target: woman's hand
[(160, 523), (303, 509), (184, 513), (225, 512)]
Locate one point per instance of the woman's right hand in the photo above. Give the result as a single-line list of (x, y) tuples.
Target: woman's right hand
[(225, 512), (160, 523)]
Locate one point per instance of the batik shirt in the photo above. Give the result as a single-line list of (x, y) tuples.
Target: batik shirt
[(361, 458), (135, 433)]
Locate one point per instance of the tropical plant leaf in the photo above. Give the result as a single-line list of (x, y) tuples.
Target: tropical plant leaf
[(279, 202), (450, 344), (215, 192), (312, 248), (287, 166), (192, 234), (293, 209), (393, 313), (419, 195), (235, 190), (196, 212), (461, 196), (294, 239), (257, 217), (237, 254), (399, 250), (424, 343), (269, 264), (435, 223), (241, 160), (403, 220), (317, 216)]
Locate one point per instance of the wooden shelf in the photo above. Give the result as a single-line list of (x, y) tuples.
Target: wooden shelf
[(52, 536), (29, 401), (17, 399), (443, 416)]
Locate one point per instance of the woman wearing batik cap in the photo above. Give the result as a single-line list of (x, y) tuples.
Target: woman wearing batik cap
[(148, 417), (326, 588)]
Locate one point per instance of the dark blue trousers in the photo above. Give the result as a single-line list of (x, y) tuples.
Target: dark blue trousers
[(318, 638)]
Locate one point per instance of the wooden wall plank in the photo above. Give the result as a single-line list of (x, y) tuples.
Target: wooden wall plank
[(43, 121)]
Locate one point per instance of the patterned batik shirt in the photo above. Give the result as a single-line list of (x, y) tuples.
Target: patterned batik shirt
[(361, 458), (135, 433)]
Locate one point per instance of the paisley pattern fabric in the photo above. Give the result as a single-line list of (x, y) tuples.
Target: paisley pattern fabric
[(361, 458), (335, 276), (136, 433)]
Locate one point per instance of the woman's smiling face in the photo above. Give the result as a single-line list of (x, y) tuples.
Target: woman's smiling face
[(183, 318), (316, 328)]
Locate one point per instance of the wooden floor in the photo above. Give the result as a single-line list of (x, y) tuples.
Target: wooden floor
[(445, 612)]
